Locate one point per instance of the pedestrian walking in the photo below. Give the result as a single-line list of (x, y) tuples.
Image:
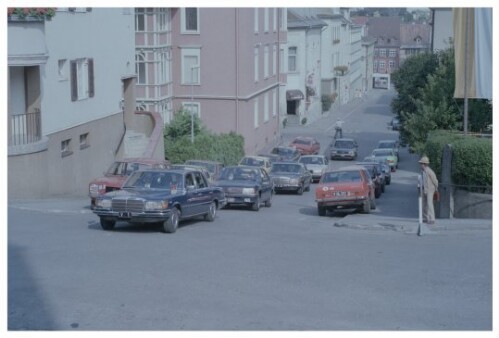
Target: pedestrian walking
[(338, 126), (429, 186)]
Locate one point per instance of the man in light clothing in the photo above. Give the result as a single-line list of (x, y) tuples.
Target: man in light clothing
[(430, 185)]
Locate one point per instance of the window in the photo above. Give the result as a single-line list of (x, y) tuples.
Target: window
[(163, 21), (139, 19), (391, 64), (266, 20), (265, 107), (189, 19), (256, 57), (192, 107), (375, 64), (82, 79), (66, 148), (382, 52), (292, 59), (62, 69), (190, 66), (255, 113), (140, 68), (266, 61), (274, 60), (256, 20), (376, 52), (392, 53), (274, 18), (274, 102), (84, 141), (163, 68), (382, 65)]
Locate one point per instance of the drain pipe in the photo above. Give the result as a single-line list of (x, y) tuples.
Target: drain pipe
[(237, 68)]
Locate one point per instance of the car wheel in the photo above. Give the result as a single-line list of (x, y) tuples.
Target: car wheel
[(383, 188), (107, 224), (308, 186), (377, 192), (372, 202), (256, 206), (268, 203), (388, 181), (321, 210), (300, 190), (171, 224), (366, 209), (212, 212)]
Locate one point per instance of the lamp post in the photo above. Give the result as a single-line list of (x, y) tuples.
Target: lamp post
[(192, 101)]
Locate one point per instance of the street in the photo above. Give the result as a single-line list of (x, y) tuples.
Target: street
[(281, 268)]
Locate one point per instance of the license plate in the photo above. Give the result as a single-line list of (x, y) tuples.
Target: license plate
[(125, 214), (231, 200), (340, 193)]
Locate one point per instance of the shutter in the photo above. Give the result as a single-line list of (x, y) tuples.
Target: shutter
[(90, 77), (74, 81)]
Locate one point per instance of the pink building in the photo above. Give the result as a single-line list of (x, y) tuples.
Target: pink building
[(227, 68)]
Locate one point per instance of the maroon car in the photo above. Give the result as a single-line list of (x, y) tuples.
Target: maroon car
[(119, 171), (306, 145)]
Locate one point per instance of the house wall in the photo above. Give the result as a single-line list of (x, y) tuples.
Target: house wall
[(442, 28)]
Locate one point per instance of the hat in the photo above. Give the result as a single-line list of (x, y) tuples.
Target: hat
[(424, 160)]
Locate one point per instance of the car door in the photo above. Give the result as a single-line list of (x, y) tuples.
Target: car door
[(190, 205), (203, 194), (267, 185)]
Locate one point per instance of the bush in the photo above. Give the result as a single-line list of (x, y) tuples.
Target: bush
[(304, 121), (326, 102), (434, 147)]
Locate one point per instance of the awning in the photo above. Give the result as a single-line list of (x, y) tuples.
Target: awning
[(294, 94)]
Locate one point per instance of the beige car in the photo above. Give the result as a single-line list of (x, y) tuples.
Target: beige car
[(257, 161)]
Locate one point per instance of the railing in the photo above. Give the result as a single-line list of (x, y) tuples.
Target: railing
[(24, 129)]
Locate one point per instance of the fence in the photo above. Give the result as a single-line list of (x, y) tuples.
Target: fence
[(24, 128)]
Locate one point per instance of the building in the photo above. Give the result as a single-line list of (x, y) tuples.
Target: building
[(71, 98), (442, 32), (227, 69), (414, 39)]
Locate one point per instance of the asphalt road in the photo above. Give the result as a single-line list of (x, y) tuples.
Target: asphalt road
[(281, 268)]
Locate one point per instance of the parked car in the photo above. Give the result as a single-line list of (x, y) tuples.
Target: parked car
[(316, 164), (390, 144), (290, 176), (286, 153), (385, 168), (344, 149), (245, 185), (387, 155), (345, 188), (395, 123), (160, 196), (213, 167), (306, 145), (257, 161), (374, 169), (272, 157), (200, 168), (117, 174)]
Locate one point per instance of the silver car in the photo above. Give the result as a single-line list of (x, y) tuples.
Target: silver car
[(316, 164)]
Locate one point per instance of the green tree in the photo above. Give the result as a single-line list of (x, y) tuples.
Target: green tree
[(181, 125)]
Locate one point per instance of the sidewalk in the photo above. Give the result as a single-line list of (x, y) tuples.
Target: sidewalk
[(57, 205)]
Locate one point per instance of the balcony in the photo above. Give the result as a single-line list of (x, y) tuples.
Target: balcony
[(24, 129)]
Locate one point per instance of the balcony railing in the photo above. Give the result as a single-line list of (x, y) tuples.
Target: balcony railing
[(24, 129)]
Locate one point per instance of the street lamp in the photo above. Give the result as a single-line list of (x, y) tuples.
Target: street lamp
[(192, 101)]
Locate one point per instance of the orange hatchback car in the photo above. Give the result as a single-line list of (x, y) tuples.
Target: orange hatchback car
[(349, 187), (306, 145)]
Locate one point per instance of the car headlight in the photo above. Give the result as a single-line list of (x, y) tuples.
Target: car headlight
[(294, 181), (351, 152), (156, 205), (103, 203), (249, 191), (95, 188)]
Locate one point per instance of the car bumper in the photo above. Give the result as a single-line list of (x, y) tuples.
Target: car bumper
[(134, 217), (240, 199), (343, 201), (286, 187), (343, 156)]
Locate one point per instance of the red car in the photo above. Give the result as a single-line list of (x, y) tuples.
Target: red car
[(349, 187), (306, 145), (116, 175)]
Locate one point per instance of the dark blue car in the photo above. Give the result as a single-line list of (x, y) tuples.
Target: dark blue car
[(160, 196), (246, 185)]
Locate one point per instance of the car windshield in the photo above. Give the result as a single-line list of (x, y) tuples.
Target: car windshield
[(312, 160), (301, 141), (252, 162), (125, 168), (341, 176), (284, 151), (386, 145), (285, 167), (344, 144), (210, 166), (155, 180), (239, 174), (382, 152)]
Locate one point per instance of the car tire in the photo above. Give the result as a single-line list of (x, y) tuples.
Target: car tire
[(300, 190), (388, 181), (372, 203), (107, 224), (268, 203), (212, 212), (256, 206), (321, 210), (171, 224), (383, 188), (377, 193), (308, 186)]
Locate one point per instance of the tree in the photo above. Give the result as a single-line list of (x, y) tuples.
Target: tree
[(181, 125)]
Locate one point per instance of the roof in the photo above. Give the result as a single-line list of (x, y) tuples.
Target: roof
[(409, 34), (297, 21), (385, 29)]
